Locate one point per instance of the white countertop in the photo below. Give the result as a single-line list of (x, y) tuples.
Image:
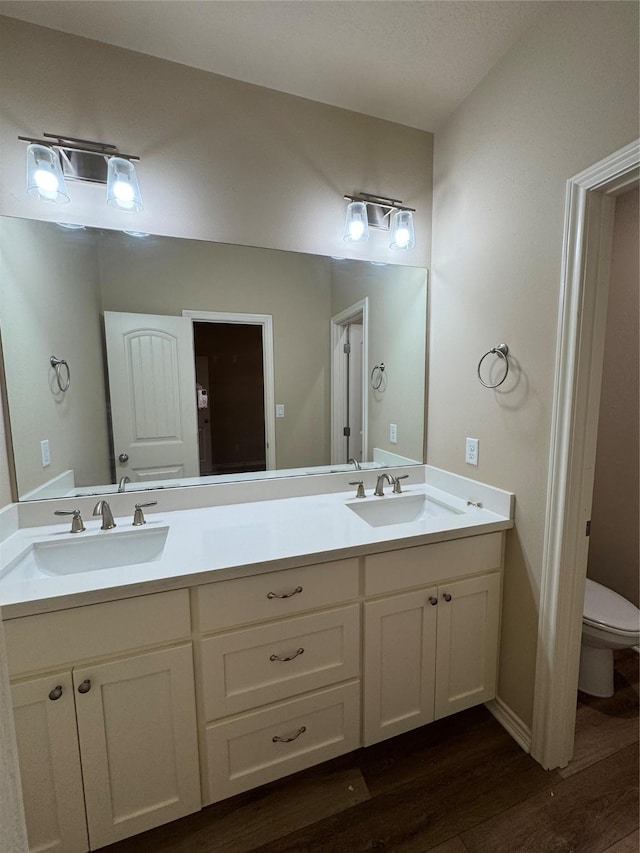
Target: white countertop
[(216, 543)]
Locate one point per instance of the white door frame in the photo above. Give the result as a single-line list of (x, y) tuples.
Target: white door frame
[(590, 200), (339, 322), (265, 321)]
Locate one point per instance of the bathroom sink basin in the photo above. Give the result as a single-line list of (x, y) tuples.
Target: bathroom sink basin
[(105, 550), (398, 509)]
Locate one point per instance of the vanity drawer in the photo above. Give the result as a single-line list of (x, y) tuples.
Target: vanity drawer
[(96, 630), (427, 564), (227, 604), (271, 662), (265, 745)]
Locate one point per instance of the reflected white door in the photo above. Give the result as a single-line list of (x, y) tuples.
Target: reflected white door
[(152, 386)]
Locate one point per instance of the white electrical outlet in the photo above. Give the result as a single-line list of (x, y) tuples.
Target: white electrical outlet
[(44, 453), (393, 433), (471, 451)]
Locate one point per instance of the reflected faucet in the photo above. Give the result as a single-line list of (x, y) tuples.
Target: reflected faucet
[(379, 491), (123, 482), (102, 508), (355, 462)]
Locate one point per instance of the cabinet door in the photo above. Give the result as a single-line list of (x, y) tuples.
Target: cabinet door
[(399, 669), (45, 720), (137, 731), (467, 643)]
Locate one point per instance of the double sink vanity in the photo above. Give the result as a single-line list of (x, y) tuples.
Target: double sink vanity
[(162, 667)]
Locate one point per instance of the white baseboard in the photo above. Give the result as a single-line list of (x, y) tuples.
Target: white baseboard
[(511, 722)]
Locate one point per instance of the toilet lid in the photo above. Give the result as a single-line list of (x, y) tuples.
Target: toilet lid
[(603, 606)]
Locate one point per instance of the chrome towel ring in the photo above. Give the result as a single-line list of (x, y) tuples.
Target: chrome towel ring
[(63, 374), (377, 376), (502, 351)]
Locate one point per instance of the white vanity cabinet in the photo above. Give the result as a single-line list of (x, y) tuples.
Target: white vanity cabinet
[(107, 736), (431, 651), (282, 692)]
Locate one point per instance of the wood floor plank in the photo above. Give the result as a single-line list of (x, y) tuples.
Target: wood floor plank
[(603, 726), (248, 821), (458, 789), (630, 844), (454, 845), (586, 812)]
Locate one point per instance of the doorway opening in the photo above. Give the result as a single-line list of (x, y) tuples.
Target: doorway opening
[(230, 382), (590, 204), (233, 356), (349, 358)]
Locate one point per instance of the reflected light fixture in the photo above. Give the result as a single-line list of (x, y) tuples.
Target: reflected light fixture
[(56, 159), (366, 211)]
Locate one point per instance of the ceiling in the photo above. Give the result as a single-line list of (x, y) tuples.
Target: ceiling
[(406, 61)]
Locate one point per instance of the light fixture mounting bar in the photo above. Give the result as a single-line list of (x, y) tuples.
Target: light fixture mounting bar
[(380, 201), (84, 146)]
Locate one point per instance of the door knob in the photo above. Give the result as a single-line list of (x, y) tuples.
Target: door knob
[(124, 457)]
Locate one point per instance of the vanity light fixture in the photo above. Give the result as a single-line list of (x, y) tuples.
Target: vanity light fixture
[(366, 211), (55, 159)]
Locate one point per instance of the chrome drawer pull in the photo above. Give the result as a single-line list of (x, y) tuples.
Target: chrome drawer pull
[(297, 590), (300, 651), (278, 739)]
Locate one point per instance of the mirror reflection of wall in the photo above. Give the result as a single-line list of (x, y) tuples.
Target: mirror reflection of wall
[(57, 284)]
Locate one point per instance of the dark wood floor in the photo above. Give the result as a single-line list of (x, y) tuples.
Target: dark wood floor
[(460, 785)]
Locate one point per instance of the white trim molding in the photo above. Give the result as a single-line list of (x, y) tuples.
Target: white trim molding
[(511, 722), (266, 322), (579, 355)]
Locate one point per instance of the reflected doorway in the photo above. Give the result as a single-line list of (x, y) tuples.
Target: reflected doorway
[(349, 336), (230, 396)]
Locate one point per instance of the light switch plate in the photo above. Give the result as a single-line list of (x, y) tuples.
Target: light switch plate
[(44, 453), (279, 410), (393, 433)]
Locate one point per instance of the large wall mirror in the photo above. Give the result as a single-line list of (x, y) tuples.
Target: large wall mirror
[(188, 361)]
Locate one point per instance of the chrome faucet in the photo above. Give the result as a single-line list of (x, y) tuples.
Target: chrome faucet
[(379, 491), (355, 462), (123, 482), (102, 508)]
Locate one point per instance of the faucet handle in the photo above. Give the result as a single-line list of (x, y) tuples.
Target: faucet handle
[(397, 490), (360, 491), (77, 525), (138, 515)]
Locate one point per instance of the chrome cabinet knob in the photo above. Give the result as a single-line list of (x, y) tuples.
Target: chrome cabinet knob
[(123, 458), (447, 596), (433, 600), (85, 687), (56, 693)]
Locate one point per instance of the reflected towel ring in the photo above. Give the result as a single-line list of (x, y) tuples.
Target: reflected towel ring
[(63, 374), (377, 375), (502, 351)]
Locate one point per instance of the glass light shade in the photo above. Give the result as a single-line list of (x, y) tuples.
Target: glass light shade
[(402, 233), (123, 191), (44, 175), (356, 226)]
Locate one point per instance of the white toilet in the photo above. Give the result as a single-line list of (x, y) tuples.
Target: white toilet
[(609, 622)]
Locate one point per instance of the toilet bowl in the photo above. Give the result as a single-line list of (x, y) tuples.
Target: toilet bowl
[(609, 622)]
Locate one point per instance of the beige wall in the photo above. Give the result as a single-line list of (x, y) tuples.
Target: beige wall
[(564, 97), (397, 334), (615, 530), (49, 289), (221, 160), (166, 276)]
